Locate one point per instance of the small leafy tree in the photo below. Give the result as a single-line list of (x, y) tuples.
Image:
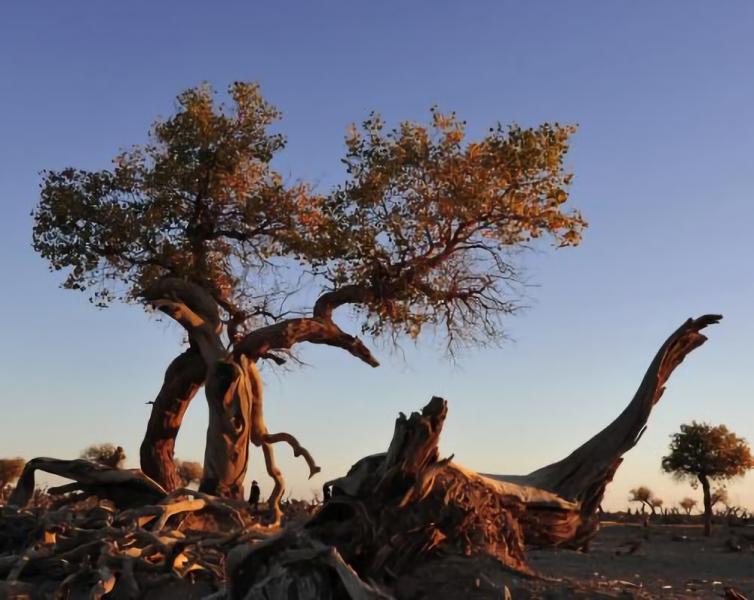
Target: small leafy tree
[(643, 495), (656, 504), (189, 471), (105, 454), (703, 453), (10, 470), (687, 504)]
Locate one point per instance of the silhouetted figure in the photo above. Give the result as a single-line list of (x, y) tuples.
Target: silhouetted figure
[(254, 495)]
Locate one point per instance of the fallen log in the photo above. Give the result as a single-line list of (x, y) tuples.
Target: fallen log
[(393, 508)]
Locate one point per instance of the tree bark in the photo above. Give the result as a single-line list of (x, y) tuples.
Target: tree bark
[(227, 385), (393, 511), (707, 505), (226, 454), (183, 378)]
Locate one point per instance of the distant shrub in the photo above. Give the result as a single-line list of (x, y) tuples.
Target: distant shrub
[(189, 471), (10, 470), (105, 454)]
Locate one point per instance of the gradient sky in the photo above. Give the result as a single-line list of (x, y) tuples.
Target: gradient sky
[(664, 162)]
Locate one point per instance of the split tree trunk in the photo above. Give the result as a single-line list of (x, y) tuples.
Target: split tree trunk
[(227, 385), (233, 387), (183, 378)]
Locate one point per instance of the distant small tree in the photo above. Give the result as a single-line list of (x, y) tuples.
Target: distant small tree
[(189, 471), (643, 495), (656, 504), (719, 496), (10, 470), (687, 504), (704, 453), (105, 454)]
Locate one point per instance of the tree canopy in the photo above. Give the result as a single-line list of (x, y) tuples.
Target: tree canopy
[(687, 504), (189, 471), (700, 449), (420, 233), (643, 495)]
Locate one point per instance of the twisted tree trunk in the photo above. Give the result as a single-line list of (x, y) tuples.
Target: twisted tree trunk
[(183, 378), (226, 453), (227, 385), (232, 385)]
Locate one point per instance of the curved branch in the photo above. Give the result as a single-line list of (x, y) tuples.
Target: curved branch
[(283, 335), (192, 307), (260, 437), (329, 301), (196, 299), (298, 449)]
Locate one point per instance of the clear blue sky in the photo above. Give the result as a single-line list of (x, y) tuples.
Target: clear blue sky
[(664, 161)]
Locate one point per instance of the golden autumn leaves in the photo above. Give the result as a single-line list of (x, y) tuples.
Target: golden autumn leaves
[(424, 221)]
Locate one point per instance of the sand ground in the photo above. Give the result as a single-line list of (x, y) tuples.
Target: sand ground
[(669, 561)]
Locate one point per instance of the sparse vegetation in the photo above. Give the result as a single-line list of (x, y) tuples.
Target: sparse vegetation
[(644, 496), (105, 454), (189, 471), (10, 470), (687, 504)]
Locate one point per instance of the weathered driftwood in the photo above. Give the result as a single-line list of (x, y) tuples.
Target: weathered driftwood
[(294, 565), (125, 487)]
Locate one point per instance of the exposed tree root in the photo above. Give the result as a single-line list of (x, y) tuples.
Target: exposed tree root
[(91, 548)]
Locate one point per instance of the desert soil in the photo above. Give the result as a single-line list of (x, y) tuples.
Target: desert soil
[(668, 561)]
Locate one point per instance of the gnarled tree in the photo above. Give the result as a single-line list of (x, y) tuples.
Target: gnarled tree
[(197, 224)]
